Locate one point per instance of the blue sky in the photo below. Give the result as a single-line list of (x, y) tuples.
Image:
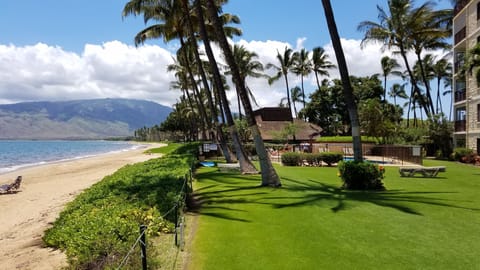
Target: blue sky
[(58, 49)]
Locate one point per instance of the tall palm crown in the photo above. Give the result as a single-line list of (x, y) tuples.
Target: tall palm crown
[(285, 61), (247, 67), (320, 63), (302, 65), (388, 66), (407, 28)]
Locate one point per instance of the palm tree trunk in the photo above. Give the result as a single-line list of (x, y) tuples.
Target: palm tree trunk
[(201, 71), (385, 88), (288, 93), (413, 81), (439, 99), (303, 92), (246, 166), (318, 81), (269, 175), (427, 85), (347, 87)]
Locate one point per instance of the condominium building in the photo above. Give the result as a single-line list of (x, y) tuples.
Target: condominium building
[(466, 30)]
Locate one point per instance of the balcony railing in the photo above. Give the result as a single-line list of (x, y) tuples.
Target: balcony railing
[(460, 35), (460, 96), (459, 65), (460, 125), (459, 6)]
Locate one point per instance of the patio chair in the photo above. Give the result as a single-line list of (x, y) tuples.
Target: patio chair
[(11, 188)]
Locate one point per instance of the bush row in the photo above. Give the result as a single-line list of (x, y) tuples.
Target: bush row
[(313, 159), (98, 228), (465, 155)]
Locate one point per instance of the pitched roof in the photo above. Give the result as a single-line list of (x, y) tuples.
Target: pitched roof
[(272, 121)]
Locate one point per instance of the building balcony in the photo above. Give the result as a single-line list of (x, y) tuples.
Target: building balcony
[(460, 35), (460, 96), (459, 6), (460, 125)]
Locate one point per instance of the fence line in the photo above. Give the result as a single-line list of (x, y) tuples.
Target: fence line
[(179, 226)]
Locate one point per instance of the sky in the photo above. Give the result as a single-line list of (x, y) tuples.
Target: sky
[(54, 50)]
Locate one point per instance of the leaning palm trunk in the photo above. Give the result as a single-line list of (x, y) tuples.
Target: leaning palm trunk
[(246, 166), (427, 85), (220, 138), (413, 81), (269, 175), (347, 87)]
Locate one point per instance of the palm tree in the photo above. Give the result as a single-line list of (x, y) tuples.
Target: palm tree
[(246, 165), (429, 30), (397, 90), (248, 67), (296, 97), (302, 65), (393, 32), (347, 87), (388, 66), (286, 63), (269, 175), (473, 62), (442, 69), (320, 63)]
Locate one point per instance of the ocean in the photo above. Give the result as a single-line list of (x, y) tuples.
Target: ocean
[(18, 154)]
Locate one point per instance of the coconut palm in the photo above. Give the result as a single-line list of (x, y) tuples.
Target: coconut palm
[(388, 66), (347, 87), (297, 96), (248, 67), (269, 175), (473, 62), (285, 65), (320, 63), (302, 66), (392, 31), (246, 165), (442, 70), (397, 90), (429, 30)]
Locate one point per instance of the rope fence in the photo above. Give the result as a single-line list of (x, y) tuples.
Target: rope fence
[(178, 207)]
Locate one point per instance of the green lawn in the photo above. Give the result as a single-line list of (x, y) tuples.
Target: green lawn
[(309, 223)]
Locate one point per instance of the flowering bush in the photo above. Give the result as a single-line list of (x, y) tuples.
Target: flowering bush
[(358, 175)]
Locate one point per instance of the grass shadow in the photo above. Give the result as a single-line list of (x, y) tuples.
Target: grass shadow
[(315, 192)]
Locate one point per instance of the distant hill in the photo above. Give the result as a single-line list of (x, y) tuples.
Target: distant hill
[(79, 119)]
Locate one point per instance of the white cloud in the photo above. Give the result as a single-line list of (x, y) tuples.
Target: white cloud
[(114, 69), (42, 72)]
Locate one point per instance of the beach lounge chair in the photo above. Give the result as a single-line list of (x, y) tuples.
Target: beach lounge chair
[(11, 188), (422, 171)]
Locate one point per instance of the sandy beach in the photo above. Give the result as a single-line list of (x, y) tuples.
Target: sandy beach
[(45, 190)]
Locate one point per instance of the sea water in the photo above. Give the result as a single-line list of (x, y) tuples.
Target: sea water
[(17, 154)]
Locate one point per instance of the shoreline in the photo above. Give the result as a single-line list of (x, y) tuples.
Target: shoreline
[(44, 191), (13, 168)]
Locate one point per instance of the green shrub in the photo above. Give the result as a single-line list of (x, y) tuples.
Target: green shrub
[(462, 154), (97, 229), (312, 159), (331, 157), (358, 175), (292, 159)]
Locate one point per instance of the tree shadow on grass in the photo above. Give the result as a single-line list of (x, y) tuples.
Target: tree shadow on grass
[(315, 192)]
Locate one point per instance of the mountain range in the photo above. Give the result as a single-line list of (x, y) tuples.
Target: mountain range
[(79, 119)]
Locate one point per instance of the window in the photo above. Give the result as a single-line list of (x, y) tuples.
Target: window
[(478, 112), (478, 11)]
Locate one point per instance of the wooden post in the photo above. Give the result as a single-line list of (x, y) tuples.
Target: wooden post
[(143, 246)]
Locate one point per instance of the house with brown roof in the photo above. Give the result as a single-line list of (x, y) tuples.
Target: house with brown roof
[(273, 120)]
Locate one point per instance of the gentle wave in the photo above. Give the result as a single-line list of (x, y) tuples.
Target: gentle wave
[(15, 155)]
